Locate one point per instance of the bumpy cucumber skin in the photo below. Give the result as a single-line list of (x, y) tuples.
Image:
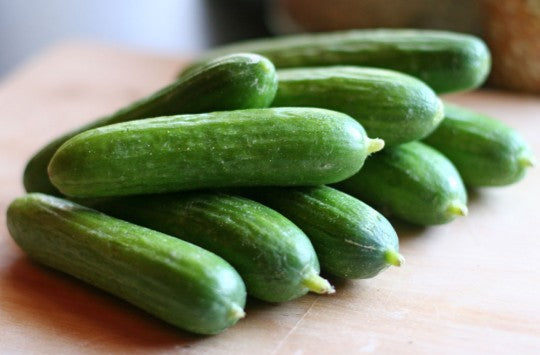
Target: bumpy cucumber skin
[(390, 105), (175, 281), (272, 255), (411, 181), (276, 146), (231, 82), (485, 151), (350, 237), (446, 61)]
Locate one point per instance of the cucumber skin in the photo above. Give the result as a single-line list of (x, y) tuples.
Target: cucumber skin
[(350, 237), (412, 181), (446, 61), (485, 151), (279, 146), (390, 105), (269, 252), (178, 282), (231, 82)]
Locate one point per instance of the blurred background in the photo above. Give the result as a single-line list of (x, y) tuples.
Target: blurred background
[(166, 26), (511, 27)]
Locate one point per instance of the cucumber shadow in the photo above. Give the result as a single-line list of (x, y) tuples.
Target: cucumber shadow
[(260, 309), (407, 231), (475, 196), (48, 299)]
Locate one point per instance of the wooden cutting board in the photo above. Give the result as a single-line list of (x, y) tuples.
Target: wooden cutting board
[(470, 286)]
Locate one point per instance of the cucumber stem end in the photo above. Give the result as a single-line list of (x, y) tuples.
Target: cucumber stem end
[(394, 258), (317, 284), (374, 145)]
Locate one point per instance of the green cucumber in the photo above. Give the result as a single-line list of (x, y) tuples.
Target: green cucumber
[(413, 182), (230, 82), (275, 259), (276, 146), (390, 105), (446, 61), (176, 281), (351, 239), (485, 151)]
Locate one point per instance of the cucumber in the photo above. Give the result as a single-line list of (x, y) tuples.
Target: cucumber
[(413, 182), (390, 105), (178, 282), (351, 239), (277, 146), (485, 151), (446, 61), (226, 83), (275, 259)]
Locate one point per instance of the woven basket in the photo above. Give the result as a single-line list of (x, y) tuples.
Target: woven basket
[(512, 30)]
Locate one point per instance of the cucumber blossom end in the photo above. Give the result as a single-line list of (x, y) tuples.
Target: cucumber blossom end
[(236, 312), (394, 258), (457, 208), (317, 284), (374, 145), (526, 161)]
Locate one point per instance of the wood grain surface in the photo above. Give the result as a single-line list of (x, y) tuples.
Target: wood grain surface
[(472, 286)]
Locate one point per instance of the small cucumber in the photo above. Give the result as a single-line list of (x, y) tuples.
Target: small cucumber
[(178, 282), (446, 61), (390, 105), (413, 182), (351, 239), (485, 151), (230, 82), (277, 146), (275, 259)]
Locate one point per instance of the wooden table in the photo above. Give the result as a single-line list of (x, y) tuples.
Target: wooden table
[(470, 286)]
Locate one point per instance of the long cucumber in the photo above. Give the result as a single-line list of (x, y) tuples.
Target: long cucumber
[(446, 61), (176, 281), (229, 82), (275, 146)]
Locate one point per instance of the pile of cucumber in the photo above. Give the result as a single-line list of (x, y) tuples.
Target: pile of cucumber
[(242, 179)]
